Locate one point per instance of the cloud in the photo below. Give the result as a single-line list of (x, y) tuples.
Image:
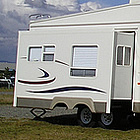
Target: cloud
[(14, 16), (20, 10), (90, 6), (70, 5)]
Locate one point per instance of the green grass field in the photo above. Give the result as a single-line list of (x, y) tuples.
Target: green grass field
[(6, 99), (6, 90), (26, 129)]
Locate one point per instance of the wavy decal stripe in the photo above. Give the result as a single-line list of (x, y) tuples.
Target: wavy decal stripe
[(37, 82), (46, 74), (68, 89), (58, 61)]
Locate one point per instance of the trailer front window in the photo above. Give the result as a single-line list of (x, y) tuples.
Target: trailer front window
[(48, 53), (35, 54)]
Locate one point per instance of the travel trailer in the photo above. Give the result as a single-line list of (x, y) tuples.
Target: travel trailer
[(89, 61)]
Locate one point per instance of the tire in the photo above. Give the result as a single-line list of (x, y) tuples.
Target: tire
[(106, 120), (85, 117)]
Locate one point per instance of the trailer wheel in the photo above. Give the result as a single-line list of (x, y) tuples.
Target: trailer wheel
[(85, 117), (106, 120)]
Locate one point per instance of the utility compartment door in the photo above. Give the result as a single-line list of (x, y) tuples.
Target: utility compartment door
[(123, 78)]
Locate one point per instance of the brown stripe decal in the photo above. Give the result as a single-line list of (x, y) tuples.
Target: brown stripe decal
[(37, 82)]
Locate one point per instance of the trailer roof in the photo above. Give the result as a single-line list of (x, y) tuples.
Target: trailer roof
[(124, 13)]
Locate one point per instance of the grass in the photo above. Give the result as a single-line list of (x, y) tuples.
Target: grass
[(25, 129), (6, 99), (6, 89)]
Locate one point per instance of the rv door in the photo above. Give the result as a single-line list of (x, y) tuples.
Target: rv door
[(123, 79)]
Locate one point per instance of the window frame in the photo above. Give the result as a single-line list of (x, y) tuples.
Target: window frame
[(84, 68), (124, 56)]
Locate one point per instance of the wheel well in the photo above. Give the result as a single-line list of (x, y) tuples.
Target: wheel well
[(61, 105), (81, 106)]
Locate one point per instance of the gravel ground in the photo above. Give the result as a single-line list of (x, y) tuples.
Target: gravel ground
[(14, 112), (6, 92)]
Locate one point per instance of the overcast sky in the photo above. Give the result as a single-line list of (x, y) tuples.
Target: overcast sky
[(14, 16)]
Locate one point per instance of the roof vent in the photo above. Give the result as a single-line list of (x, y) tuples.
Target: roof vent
[(39, 16), (134, 1)]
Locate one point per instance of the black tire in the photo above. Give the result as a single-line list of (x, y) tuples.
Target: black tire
[(106, 121), (85, 117)]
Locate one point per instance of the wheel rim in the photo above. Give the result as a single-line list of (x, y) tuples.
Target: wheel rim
[(107, 119), (86, 116)]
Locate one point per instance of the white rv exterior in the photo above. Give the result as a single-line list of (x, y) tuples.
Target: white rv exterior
[(89, 59)]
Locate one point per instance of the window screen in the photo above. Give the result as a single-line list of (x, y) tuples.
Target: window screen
[(84, 61), (48, 54), (48, 57), (83, 72), (35, 53)]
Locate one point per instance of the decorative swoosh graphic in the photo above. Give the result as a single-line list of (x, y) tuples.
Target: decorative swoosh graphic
[(37, 82), (63, 89), (46, 74), (58, 61)]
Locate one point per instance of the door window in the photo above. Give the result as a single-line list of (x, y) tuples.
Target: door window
[(123, 55), (120, 55), (127, 56)]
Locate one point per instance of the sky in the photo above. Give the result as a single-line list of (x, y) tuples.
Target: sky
[(14, 16)]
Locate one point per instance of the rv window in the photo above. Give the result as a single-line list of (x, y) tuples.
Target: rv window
[(48, 57), (83, 72), (123, 55), (120, 55), (84, 61), (35, 54), (127, 56), (48, 53)]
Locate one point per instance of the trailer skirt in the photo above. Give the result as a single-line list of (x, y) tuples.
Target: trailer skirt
[(96, 107)]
